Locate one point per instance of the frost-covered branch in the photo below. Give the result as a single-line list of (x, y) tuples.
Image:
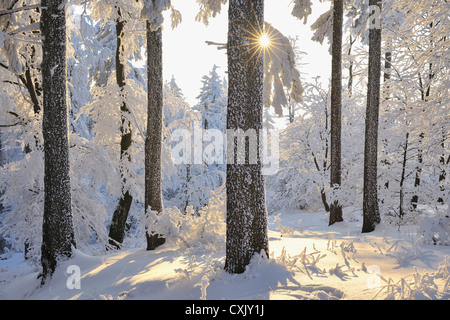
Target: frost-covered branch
[(208, 9), (31, 27), (153, 12), (280, 70), (30, 7), (302, 9)]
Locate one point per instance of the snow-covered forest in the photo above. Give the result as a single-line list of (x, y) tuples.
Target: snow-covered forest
[(273, 185)]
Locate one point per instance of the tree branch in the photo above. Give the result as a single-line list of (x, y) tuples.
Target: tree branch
[(30, 7), (21, 121), (12, 82), (11, 125), (220, 46), (4, 66)]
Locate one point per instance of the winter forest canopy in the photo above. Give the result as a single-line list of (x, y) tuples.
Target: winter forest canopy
[(101, 152)]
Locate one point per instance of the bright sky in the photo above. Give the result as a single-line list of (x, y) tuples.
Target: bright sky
[(188, 58)]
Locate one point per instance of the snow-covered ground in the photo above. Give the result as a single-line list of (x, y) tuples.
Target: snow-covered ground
[(308, 260)]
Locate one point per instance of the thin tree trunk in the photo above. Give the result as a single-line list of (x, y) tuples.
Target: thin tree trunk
[(386, 78), (186, 190), (246, 203), (291, 110), (371, 214), (324, 167), (120, 215), (57, 229), (387, 71), (402, 178), (415, 198), (425, 95), (323, 195), (350, 68), (153, 139), (443, 173), (336, 106)]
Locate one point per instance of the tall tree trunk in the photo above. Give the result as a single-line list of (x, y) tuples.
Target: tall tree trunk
[(153, 139), (246, 203), (371, 214), (386, 90), (57, 229), (336, 106), (2, 163), (120, 215)]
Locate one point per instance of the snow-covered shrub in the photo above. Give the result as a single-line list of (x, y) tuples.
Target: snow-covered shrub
[(22, 183), (205, 230), (436, 230), (418, 286)]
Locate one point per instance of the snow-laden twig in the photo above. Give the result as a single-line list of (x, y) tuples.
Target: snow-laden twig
[(418, 286), (30, 7)]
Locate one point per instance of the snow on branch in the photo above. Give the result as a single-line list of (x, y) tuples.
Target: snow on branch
[(323, 28), (30, 7), (302, 9), (153, 12), (208, 9), (280, 72), (281, 77)]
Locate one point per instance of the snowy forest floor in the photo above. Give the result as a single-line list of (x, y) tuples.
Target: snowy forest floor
[(308, 260)]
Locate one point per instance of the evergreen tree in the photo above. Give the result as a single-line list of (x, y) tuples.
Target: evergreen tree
[(175, 88), (212, 101)]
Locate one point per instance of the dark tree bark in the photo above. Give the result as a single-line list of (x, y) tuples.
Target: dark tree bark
[(336, 106), (443, 173), (120, 215), (324, 167), (57, 230), (415, 198), (401, 211), (246, 206), (386, 93), (153, 139), (350, 67), (186, 190), (371, 214), (2, 163)]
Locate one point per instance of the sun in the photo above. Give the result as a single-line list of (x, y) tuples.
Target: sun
[(261, 41), (264, 40)]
